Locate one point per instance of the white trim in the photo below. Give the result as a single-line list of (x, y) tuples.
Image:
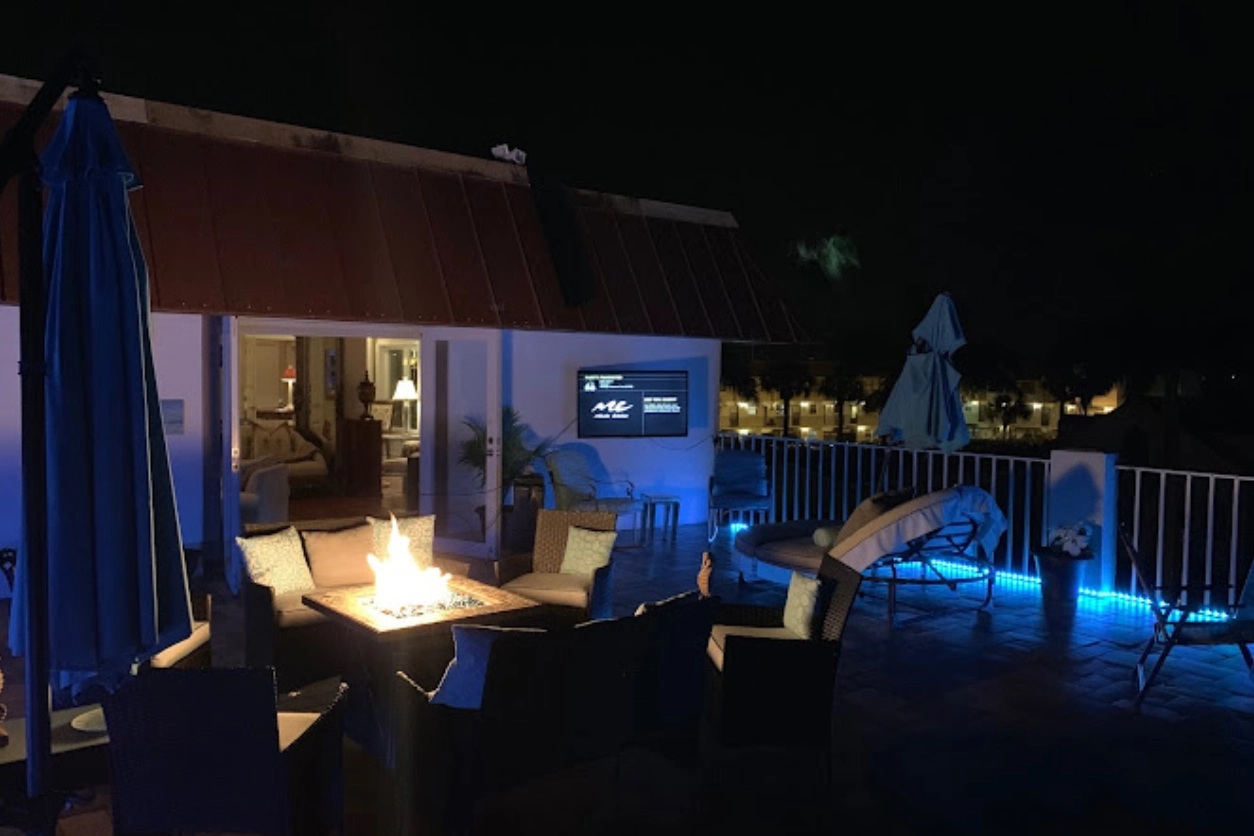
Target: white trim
[(265, 327)]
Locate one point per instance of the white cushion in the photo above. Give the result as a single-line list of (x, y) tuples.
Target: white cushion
[(338, 558), (419, 530), (717, 644), (825, 535), (289, 611), (553, 588), (277, 561), (307, 468), (803, 600), (587, 550), (292, 724), (175, 653)]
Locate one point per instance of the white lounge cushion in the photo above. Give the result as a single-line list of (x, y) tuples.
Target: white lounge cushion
[(718, 638), (175, 653), (886, 532), (292, 724), (307, 468), (290, 612), (553, 588)]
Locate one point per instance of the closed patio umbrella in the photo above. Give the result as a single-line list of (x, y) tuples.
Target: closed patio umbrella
[(924, 409), (117, 584)]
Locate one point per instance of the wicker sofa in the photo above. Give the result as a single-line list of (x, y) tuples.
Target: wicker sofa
[(301, 644)]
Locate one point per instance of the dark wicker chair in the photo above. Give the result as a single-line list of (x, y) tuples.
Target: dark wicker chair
[(206, 750), (1173, 607), (767, 690)]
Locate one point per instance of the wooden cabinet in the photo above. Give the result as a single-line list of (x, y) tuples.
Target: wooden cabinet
[(361, 456)]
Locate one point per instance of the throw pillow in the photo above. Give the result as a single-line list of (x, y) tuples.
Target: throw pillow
[(802, 603), (587, 551), (462, 685), (825, 536), (277, 561), (419, 530), (338, 558)]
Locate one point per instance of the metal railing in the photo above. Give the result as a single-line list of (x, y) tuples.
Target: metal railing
[(1193, 528), (827, 479)]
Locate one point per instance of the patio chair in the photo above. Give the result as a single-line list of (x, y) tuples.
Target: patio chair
[(207, 750), (537, 575), (738, 484), (575, 488), (1173, 606), (767, 684)]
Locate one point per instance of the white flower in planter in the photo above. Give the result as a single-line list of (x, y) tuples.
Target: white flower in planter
[(1072, 539)]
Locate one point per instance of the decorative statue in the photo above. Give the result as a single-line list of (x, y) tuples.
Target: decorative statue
[(365, 394)]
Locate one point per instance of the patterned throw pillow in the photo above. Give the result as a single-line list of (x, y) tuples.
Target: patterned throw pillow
[(277, 561), (803, 601), (587, 551), (419, 530), (462, 685)]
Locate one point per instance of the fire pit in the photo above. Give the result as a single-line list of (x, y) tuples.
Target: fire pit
[(403, 622), (408, 598)]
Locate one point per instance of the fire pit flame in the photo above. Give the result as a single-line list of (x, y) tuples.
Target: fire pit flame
[(399, 582)]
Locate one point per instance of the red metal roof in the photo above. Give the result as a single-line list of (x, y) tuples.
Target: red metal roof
[(233, 227)]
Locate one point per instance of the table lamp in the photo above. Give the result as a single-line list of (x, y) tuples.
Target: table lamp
[(405, 393), (289, 377)]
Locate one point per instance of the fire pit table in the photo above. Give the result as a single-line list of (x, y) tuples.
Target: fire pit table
[(416, 639)]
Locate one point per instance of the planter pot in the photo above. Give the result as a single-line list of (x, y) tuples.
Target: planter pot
[(1060, 576)]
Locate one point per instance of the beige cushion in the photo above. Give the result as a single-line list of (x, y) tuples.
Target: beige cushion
[(718, 638), (307, 468), (292, 724), (338, 558), (272, 439), (175, 653), (290, 612), (553, 588)]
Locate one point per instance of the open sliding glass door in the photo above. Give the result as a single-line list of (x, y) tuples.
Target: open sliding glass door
[(461, 438), (228, 415)]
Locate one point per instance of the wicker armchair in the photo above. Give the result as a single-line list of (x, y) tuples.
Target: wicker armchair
[(207, 750), (768, 685), (537, 575)]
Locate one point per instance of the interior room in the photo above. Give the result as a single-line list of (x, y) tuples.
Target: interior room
[(304, 450)]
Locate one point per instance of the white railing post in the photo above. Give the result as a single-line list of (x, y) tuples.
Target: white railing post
[(1083, 488)]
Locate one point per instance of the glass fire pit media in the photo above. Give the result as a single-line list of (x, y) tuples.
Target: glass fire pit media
[(453, 601)]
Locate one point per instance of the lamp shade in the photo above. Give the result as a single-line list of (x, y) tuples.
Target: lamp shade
[(405, 390), (289, 374)]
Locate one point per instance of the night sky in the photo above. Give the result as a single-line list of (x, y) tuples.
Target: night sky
[(1076, 172)]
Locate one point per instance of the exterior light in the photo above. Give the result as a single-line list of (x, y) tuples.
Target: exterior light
[(1037, 405), (805, 403), (743, 404), (743, 432)]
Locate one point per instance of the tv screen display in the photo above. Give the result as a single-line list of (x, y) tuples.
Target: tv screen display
[(632, 404)]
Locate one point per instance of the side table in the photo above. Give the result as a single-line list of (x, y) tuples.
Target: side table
[(670, 515)]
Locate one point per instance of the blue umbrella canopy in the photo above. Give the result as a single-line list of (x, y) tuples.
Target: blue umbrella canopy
[(117, 583), (924, 410)]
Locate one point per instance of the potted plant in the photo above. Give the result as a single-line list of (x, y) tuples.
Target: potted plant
[(1060, 564), (516, 454)]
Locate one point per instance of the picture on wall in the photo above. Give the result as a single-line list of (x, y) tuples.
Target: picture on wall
[(331, 372)]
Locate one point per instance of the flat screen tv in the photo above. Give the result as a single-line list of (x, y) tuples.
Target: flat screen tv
[(632, 404)]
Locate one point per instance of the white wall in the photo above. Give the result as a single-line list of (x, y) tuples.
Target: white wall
[(178, 353), (538, 373), (180, 364), (10, 434)]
